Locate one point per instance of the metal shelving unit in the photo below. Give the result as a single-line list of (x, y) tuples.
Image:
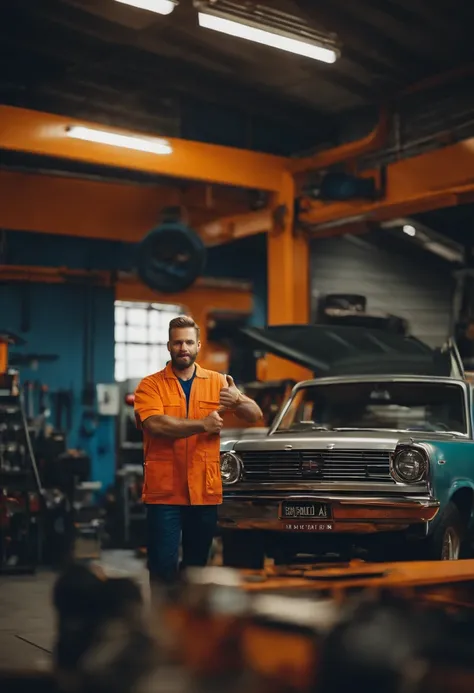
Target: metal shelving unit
[(20, 535)]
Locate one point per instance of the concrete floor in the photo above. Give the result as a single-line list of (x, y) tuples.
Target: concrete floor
[(27, 622)]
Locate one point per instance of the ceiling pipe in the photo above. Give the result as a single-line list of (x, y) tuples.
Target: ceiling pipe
[(438, 80), (377, 138), (351, 150)]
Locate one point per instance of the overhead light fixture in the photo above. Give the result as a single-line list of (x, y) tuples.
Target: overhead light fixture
[(141, 144), (158, 6), (445, 252), (268, 27), (427, 238)]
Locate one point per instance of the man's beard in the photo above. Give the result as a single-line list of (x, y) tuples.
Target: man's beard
[(181, 364)]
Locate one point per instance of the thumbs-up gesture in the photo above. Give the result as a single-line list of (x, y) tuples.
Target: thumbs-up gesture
[(230, 396)]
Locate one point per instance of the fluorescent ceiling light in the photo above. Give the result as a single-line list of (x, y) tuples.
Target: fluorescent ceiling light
[(266, 38), (445, 252), (142, 144), (409, 230), (158, 6)]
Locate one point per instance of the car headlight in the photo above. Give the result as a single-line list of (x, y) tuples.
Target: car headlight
[(231, 468), (409, 465)]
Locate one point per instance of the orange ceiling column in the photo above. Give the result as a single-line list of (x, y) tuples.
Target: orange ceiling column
[(288, 277)]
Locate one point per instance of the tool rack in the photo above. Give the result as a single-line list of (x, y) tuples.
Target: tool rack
[(19, 478)]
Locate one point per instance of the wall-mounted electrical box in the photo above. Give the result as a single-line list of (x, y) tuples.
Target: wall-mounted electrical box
[(108, 399)]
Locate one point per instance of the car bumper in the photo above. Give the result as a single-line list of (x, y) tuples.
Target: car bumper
[(362, 514)]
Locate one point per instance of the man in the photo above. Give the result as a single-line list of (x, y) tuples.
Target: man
[(178, 411)]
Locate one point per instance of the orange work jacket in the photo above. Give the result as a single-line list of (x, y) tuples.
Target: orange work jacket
[(180, 471)]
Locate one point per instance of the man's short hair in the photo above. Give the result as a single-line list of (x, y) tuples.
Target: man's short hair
[(183, 321)]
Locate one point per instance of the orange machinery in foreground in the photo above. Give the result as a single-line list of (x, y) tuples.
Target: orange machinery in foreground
[(384, 628), (325, 628)]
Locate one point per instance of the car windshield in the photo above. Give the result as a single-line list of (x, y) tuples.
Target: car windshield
[(399, 405)]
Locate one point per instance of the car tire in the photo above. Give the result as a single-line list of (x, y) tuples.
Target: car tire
[(242, 549), (447, 543)]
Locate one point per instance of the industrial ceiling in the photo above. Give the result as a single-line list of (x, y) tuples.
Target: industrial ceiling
[(110, 62), (114, 64)]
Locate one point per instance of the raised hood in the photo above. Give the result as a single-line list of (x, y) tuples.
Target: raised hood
[(334, 350)]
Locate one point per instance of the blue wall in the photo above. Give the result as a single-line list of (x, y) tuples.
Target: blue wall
[(57, 316), (56, 327)]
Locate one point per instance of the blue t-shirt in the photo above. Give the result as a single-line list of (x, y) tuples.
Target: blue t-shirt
[(186, 385)]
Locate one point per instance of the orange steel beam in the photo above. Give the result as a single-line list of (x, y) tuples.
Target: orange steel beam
[(54, 275), (352, 150), (45, 134), (232, 228), (65, 206), (91, 209), (441, 178), (128, 287), (212, 295), (288, 280)]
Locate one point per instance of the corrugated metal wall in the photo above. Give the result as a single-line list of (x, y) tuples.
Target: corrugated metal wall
[(417, 288)]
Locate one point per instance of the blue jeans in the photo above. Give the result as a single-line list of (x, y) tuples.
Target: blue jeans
[(165, 525)]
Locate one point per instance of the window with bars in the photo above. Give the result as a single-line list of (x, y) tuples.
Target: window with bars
[(141, 335)]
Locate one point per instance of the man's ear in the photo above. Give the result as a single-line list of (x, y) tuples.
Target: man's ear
[(168, 346), (198, 345)]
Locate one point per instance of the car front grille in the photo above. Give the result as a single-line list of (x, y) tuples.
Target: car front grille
[(318, 465)]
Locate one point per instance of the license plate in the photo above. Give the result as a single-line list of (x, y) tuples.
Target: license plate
[(305, 511), (319, 527)]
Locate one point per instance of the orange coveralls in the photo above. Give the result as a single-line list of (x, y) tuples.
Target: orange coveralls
[(180, 471)]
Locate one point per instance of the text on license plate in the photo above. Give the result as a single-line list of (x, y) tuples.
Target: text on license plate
[(305, 510), (308, 526)]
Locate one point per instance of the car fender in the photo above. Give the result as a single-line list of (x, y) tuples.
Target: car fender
[(444, 498), (227, 445), (449, 462), (456, 486)]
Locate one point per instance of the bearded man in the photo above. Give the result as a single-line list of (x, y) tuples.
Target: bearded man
[(178, 410)]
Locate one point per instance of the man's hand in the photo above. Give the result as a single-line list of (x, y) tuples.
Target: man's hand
[(230, 396), (232, 399), (213, 423)]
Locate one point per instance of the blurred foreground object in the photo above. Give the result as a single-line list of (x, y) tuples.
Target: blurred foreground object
[(102, 643), (322, 628)]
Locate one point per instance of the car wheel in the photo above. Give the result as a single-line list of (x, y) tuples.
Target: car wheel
[(242, 549), (447, 541)]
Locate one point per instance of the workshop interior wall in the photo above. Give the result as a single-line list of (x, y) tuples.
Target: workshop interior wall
[(417, 286), (56, 317)]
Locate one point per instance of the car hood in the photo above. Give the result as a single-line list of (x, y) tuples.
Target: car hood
[(238, 433), (321, 440), (341, 350)]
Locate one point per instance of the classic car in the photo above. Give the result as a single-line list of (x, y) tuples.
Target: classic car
[(373, 457)]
